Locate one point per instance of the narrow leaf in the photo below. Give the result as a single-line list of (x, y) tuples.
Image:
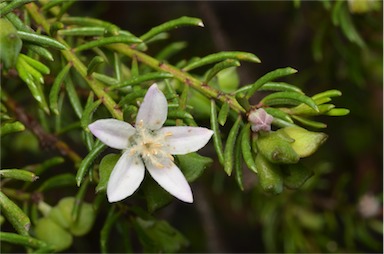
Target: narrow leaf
[(309, 123), (106, 41), (15, 215), (87, 161), (55, 90), (172, 24), (26, 241), (12, 6), (246, 148), (73, 97), (230, 146), (238, 164), (217, 57), (217, 143), (280, 86), (8, 128), (105, 231), (278, 73), (152, 76), (219, 67), (62, 180), (288, 98), (40, 40), (223, 114), (18, 174), (93, 64), (42, 68), (90, 107)]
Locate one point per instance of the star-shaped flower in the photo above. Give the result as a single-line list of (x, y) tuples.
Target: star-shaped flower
[(149, 145)]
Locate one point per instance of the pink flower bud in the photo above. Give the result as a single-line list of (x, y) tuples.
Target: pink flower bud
[(260, 120)]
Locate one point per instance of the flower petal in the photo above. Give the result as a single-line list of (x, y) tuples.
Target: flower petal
[(183, 140), (153, 111), (112, 132), (172, 180), (125, 178)]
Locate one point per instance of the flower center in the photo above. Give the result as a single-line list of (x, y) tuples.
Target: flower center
[(150, 146)]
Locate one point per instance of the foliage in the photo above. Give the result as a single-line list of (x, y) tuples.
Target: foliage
[(62, 72)]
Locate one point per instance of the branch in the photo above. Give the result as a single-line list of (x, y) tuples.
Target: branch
[(184, 77), (46, 140)]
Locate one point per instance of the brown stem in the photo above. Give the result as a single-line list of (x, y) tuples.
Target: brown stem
[(47, 140)]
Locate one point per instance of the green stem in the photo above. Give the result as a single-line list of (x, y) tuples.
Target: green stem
[(178, 74), (94, 84)]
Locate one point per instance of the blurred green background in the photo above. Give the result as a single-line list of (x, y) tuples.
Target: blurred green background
[(333, 46)]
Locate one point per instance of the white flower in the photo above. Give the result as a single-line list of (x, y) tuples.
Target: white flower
[(260, 120), (149, 145)]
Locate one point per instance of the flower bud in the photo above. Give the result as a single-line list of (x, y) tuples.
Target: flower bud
[(62, 215), (277, 148), (260, 120), (295, 175), (306, 142), (10, 43), (269, 174), (50, 232)]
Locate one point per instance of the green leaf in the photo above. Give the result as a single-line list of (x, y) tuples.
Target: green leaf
[(338, 112), (105, 231), (93, 64), (8, 128), (18, 174), (288, 98), (105, 169), (238, 163), (56, 87), (230, 146), (280, 86), (228, 80), (217, 142), (172, 24), (155, 196), (217, 57), (278, 73), (108, 40), (143, 78), (246, 148), (309, 123), (170, 50), (15, 215), (66, 179), (40, 40), (73, 97), (348, 27), (223, 114), (88, 160), (193, 165), (12, 6), (83, 31), (228, 63), (24, 241), (39, 66), (159, 236)]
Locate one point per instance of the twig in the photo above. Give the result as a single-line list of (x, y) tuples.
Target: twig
[(46, 140)]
